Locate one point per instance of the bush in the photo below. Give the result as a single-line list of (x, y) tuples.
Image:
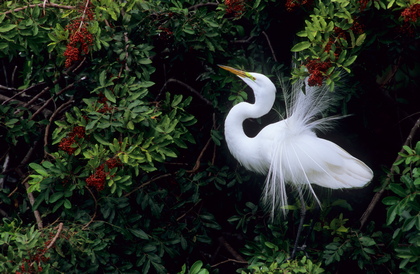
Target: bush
[(113, 157)]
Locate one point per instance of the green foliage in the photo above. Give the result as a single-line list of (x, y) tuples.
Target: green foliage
[(23, 249), (113, 156), (196, 268), (404, 207), (303, 265)]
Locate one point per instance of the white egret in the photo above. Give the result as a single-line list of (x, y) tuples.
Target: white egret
[(289, 151)]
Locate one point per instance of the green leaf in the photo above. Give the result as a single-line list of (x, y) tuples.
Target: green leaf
[(390, 200), (301, 46), (130, 125), (196, 267), (360, 39), (7, 28), (101, 140), (55, 197), (398, 189), (149, 248), (67, 204), (39, 169), (102, 77), (144, 61), (367, 241), (110, 96), (139, 233), (391, 214), (350, 61)]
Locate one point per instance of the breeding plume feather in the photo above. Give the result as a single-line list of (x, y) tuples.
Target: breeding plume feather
[(289, 150)]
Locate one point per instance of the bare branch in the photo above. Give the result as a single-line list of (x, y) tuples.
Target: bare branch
[(191, 89), (94, 213), (60, 228), (32, 202), (47, 128), (46, 112), (198, 161), (228, 261), (269, 45), (232, 251), (147, 183), (84, 14), (49, 100)]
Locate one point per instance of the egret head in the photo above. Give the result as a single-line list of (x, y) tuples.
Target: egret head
[(260, 83)]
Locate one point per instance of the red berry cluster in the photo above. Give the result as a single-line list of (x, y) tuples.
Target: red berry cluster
[(98, 178), (105, 107), (292, 4), (164, 33), (317, 70), (236, 7), (80, 38), (357, 28), (363, 4), (67, 142), (411, 13)]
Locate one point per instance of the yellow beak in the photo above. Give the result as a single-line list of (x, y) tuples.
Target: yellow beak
[(238, 72)]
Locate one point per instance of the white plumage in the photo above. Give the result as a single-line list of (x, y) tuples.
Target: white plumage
[(289, 151)]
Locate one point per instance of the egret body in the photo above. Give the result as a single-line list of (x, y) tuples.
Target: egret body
[(289, 151)]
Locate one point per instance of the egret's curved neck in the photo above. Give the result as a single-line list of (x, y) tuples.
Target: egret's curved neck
[(235, 136), (242, 111)]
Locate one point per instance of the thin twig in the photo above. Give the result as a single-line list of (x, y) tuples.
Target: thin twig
[(37, 96), (82, 20), (49, 100), (191, 89), (186, 212), (147, 183), (213, 159), (60, 228), (53, 5), (246, 41), (269, 45), (30, 195), (47, 128), (20, 92), (228, 261), (379, 194), (32, 202), (94, 213), (7, 88), (43, 7), (230, 249), (198, 161), (46, 112)]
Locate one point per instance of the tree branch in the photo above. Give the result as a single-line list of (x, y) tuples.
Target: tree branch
[(198, 161), (94, 213), (47, 128), (147, 183), (49, 100), (60, 228), (191, 89), (269, 45), (46, 112), (232, 251), (379, 194)]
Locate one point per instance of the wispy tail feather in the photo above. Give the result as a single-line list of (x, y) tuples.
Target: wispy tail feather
[(300, 158)]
